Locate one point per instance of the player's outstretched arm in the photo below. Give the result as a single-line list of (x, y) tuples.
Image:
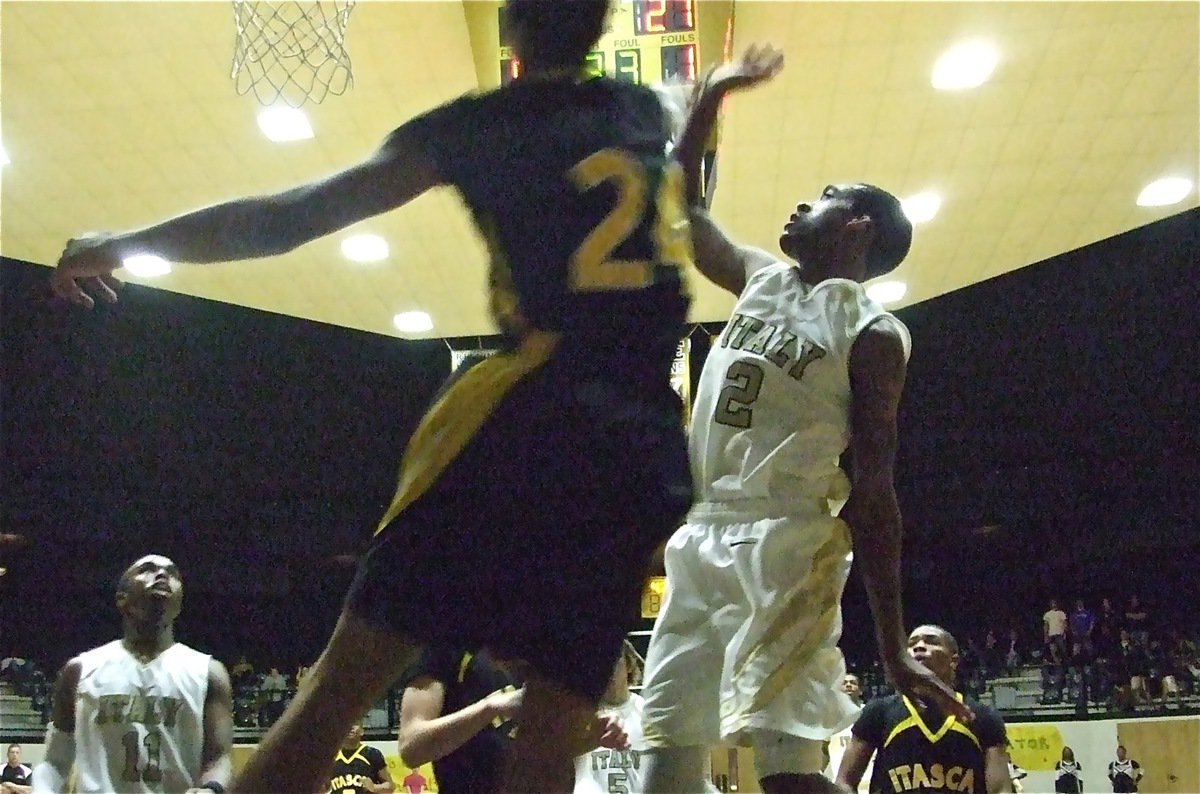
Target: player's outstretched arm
[(51, 774), (722, 261), (877, 372), (252, 227), (427, 735), (216, 757)]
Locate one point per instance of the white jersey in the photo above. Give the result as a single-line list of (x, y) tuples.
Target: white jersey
[(602, 770), (772, 411), (140, 727)]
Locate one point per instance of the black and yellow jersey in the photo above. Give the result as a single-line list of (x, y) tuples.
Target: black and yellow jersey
[(466, 679), (923, 749), (581, 210), (352, 770)]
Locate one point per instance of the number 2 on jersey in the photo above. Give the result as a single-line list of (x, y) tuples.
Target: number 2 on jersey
[(152, 773), (593, 267), (735, 405)]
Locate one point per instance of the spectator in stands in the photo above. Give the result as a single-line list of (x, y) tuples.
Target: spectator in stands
[(1053, 672), (1080, 665), (1014, 655), (273, 688), (1137, 621), (1108, 630), (1124, 773), (1081, 625), (990, 655), (853, 688), (16, 778), (242, 672), (1054, 626), (1135, 665)]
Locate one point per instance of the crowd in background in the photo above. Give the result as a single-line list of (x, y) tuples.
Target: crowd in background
[(1105, 656)]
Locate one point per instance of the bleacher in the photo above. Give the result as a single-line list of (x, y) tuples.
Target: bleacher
[(17, 713)]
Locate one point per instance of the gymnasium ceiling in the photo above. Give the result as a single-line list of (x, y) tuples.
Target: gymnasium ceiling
[(118, 114)]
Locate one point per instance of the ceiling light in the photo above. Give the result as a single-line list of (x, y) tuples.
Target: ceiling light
[(1161, 192), (146, 265), (365, 248), (412, 322), (921, 207), (887, 291), (964, 65), (282, 124), (4, 156)]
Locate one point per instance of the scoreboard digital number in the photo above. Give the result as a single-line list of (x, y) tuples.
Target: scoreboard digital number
[(650, 41)]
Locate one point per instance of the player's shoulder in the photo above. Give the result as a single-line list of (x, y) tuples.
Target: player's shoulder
[(372, 753)]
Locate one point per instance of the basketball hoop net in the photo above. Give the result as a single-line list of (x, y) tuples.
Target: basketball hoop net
[(291, 51)]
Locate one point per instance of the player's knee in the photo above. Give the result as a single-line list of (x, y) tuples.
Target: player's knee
[(781, 754)]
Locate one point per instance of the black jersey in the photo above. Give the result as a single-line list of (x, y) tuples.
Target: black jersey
[(581, 210), (351, 770), (468, 678), (924, 750)]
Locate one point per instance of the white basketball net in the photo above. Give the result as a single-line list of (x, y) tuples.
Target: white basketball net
[(292, 51)]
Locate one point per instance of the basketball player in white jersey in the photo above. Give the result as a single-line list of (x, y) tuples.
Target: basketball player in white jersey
[(143, 713), (605, 769), (808, 368)]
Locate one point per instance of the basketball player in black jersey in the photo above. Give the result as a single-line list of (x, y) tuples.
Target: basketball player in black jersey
[(919, 746), (359, 768), (564, 448)]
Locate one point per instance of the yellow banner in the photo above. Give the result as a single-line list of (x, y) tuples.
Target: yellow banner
[(1035, 748)]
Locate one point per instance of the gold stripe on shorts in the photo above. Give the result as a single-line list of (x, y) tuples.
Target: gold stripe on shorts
[(457, 416)]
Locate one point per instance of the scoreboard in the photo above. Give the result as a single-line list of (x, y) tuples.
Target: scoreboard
[(649, 41)]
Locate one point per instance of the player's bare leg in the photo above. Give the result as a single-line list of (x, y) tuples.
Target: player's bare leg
[(355, 670)]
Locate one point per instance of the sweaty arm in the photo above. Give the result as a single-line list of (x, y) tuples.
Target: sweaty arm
[(995, 770), (723, 262), (854, 763), (51, 774), (877, 372), (216, 763), (427, 735), (245, 228)]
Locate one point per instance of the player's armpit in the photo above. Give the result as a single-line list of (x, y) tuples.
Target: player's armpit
[(216, 760), (719, 259)]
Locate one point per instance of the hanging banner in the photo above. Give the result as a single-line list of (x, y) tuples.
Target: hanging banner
[(681, 377), (457, 357)]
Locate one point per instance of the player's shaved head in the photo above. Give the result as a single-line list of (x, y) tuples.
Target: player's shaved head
[(552, 33)]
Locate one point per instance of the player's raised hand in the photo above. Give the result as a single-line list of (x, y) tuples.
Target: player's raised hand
[(922, 685), (87, 261), (758, 64)]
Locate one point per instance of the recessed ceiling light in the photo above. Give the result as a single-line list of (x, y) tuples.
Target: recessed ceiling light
[(965, 65), (412, 322), (146, 265), (1161, 192), (281, 124), (887, 291), (921, 207), (3, 156), (365, 248)]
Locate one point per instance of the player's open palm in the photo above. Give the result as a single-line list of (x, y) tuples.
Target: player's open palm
[(922, 685), (87, 261), (758, 64)]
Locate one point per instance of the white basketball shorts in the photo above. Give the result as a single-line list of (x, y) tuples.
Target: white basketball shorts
[(748, 632)]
